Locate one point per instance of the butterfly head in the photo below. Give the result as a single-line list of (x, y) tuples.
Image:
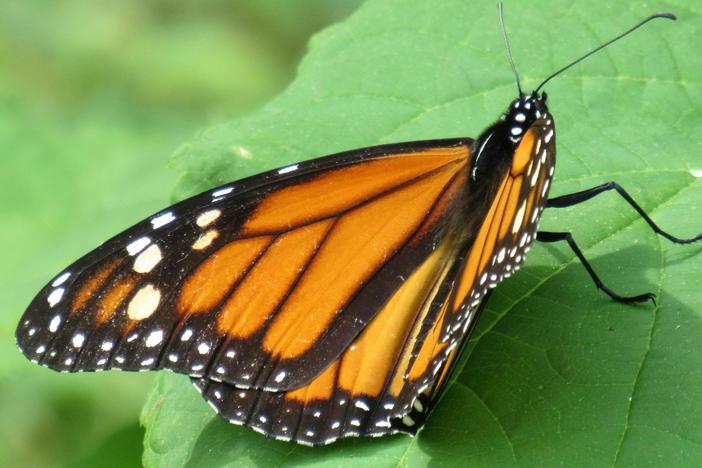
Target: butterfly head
[(522, 113)]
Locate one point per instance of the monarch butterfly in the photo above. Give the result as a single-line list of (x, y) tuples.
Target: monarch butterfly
[(324, 299)]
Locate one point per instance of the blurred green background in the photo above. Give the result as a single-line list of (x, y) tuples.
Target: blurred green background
[(94, 98)]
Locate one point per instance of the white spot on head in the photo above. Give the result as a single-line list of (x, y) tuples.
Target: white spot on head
[(54, 324), (221, 192), (148, 259), (205, 239), (136, 246), (281, 375), (154, 338), (147, 361), (144, 303), (207, 218), (187, 334), (288, 169), (106, 345), (60, 279), (162, 219), (203, 348), (173, 357), (55, 296), (78, 340)]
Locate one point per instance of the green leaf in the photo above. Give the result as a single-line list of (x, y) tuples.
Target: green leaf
[(556, 373)]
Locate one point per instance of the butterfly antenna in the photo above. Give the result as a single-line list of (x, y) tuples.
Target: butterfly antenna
[(500, 9), (615, 39)]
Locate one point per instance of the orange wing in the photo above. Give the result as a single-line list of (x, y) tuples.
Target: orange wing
[(394, 371), (260, 284)]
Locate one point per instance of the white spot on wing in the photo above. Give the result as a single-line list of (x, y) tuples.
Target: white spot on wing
[(60, 279), (281, 375), (205, 239), (54, 324), (203, 348), (106, 345), (144, 303), (78, 340), (186, 335), (288, 169), (207, 218), (136, 246), (162, 219), (55, 296), (221, 192), (154, 338), (148, 259)]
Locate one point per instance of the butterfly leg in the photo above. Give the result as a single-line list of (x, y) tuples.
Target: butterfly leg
[(545, 236), (579, 197)]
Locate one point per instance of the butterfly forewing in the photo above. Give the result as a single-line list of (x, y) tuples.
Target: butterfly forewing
[(252, 278)]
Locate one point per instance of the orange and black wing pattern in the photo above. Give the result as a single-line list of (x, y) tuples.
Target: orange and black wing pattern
[(317, 301), (387, 379)]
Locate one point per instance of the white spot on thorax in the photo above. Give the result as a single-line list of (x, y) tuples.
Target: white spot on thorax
[(154, 338), (144, 303), (207, 218), (60, 280), (138, 245), (55, 296), (162, 219), (148, 259)]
